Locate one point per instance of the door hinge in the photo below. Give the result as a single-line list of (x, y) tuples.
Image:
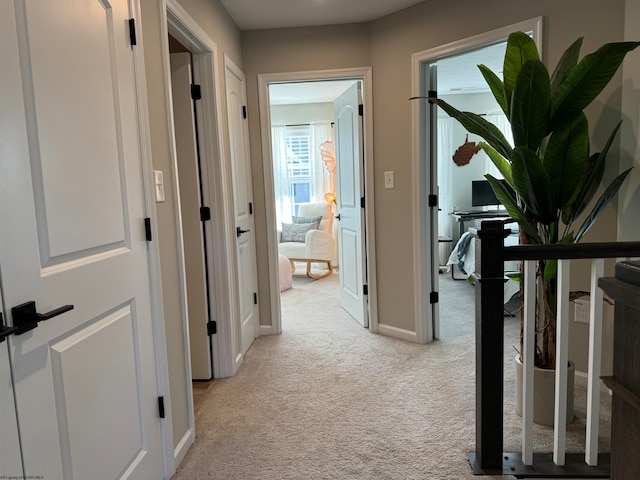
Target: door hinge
[(161, 406), (255, 298), (433, 297), (361, 110), (132, 32), (365, 289), (196, 92), (362, 202), (432, 94), (244, 111), (147, 229), (250, 208), (433, 200), (212, 328), (205, 214)]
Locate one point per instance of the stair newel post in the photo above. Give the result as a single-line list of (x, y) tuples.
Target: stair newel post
[(490, 344)]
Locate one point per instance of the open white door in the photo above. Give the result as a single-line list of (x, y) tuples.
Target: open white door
[(10, 463), (243, 204), (73, 234), (433, 285), (350, 191), (190, 203)]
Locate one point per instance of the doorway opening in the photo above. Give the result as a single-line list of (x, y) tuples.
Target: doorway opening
[(439, 71), (305, 178), (289, 134)]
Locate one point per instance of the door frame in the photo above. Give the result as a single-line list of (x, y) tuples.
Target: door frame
[(216, 191), (426, 318), (363, 74)]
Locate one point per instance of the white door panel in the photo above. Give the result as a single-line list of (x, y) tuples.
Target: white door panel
[(10, 460), (351, 248), (72, 213), (243, 197)]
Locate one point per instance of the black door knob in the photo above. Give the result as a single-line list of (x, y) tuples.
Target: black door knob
[(338, 217), (240, 231), (26, 318)]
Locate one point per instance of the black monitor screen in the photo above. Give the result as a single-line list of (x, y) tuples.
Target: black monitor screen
[(482, 193)]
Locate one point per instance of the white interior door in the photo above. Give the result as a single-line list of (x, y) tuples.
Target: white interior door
[(190, 203), (433, 285), (10, 458), (243, 201), (73, 233), (350, 190)]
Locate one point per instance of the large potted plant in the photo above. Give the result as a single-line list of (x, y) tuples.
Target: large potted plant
[(549, 167)]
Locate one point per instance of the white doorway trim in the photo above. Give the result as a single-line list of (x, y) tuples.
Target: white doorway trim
[(364, 74), (215, 188), (421, 146)]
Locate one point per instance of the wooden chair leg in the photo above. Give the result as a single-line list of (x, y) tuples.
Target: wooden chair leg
[(318, 277)]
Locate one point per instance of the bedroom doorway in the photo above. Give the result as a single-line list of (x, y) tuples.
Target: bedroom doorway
[(295, 126), (438, 71), (308, 134)]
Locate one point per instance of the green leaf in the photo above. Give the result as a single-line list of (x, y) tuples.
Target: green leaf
[(479, 126), (520, 49), (567, 63), (496, 85), (532, 183), (511, 205), (530, 105), (586, 81), (551, 266), (587, 189), (601, 204), (501, 163), (566, 160)]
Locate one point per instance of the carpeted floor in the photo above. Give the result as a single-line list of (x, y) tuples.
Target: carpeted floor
[(329, 400)]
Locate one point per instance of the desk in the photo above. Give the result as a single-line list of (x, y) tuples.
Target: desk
[(463, 217)]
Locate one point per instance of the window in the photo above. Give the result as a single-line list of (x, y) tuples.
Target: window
[(300, 168)]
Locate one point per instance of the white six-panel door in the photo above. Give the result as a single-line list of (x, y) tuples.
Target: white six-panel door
[(243, 197), (73, 233), (349, 161)]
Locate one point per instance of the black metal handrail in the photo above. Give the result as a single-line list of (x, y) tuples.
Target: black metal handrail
[(489, 456)]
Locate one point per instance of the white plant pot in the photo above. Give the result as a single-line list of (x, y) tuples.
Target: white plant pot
[(544, 388)]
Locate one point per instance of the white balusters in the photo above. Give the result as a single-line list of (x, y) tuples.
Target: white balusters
[(528, 359), (562, 361), (595, 354)]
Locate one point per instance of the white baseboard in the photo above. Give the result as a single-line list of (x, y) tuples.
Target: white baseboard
[(581, 378), (183, 446), (396, 332), (266, 330)]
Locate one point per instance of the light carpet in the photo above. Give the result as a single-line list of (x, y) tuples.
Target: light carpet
[(327, 399)]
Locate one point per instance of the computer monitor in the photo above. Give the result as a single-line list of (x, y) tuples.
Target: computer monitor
[(482, 194)]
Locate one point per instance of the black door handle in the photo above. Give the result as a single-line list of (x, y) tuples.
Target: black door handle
[(338, 217), (26, 318), (4, 330), (240, 231)]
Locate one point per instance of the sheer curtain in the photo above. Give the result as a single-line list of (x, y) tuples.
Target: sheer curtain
[(319, 132), (280, 174), (499, 119), (445, 165)]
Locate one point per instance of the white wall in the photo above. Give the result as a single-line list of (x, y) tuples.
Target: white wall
[(303, 113)]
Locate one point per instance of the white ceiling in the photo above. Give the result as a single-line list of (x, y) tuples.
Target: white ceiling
[(260, 14)]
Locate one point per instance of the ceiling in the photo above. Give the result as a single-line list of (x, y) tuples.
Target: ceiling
[(261, 14)]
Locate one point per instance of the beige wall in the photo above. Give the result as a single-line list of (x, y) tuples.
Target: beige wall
[(212, 17), (387, 45), (629, 226), (290, 50)]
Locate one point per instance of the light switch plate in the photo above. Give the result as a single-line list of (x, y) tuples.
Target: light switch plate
[(389, 180), (158, 179)]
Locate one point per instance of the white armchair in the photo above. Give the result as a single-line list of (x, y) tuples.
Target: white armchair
[(318, 245)]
